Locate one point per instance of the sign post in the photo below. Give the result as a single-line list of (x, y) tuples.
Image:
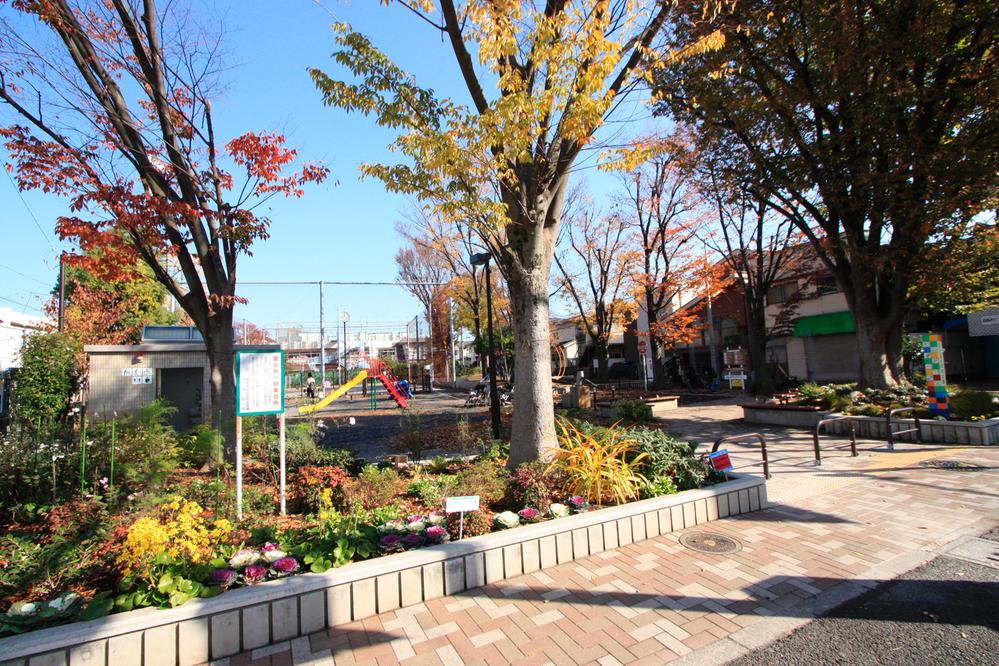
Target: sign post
[(259, 390), (721, 462), (461, 505)]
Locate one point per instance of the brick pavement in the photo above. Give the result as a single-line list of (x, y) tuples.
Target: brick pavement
[(656, 601)]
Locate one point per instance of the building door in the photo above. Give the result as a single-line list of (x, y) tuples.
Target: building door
[(182, 388)]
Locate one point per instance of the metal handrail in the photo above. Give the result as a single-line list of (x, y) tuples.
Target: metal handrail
[(891, 435), (853, 436), (742, 438)]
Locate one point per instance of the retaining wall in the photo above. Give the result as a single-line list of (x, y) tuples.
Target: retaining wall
[(783, 415), (252, 617), (975, 433)]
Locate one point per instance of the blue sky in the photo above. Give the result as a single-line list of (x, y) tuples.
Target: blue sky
[(340, 230)]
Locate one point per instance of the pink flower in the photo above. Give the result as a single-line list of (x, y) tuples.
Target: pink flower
[(223, 577), (436, 533), (413, 540), (286, 565), (268, 547), (254, 573), (390, 542), (529, 514), (414, 518)]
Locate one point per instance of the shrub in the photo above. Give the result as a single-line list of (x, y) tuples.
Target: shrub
[(199, 447), (657, 487), (413, 440), (535, 484), (974, 404), (310, 481), (476, 523), (667, 456), (432, 492), (47, 379), (599, 466), (636, 411), (372, 488), (147, 450), (483, 478)]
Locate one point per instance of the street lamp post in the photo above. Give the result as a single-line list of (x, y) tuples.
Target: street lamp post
[(482, 259)]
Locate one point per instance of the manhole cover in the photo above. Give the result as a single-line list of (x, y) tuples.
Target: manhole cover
[(957, 465), (708, 542)]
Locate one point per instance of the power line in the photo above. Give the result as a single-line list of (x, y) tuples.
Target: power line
[(28, 208), (19, 304), (356, 284), (25, 276)]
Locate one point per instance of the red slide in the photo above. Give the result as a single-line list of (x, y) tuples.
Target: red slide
[(381, 371)]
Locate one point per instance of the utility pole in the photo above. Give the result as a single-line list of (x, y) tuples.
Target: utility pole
[(322, 344), (62, 293)]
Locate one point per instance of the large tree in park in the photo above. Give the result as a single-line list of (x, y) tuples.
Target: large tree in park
[(113, 112), (757, 247), (593, 261), (556, 71), (870, 124)]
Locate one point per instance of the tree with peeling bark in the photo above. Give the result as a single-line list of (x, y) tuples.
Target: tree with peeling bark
[(870, 125), (559, 69), (594, 264), (114, 113)]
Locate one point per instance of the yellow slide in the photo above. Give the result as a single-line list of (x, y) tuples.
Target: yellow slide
[(361, 376)]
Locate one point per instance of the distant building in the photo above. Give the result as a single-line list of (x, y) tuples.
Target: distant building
[(14, 325)]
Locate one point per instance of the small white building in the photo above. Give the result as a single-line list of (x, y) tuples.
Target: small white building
[(14, 325)]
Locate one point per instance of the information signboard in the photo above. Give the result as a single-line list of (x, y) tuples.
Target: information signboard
[(259, 382), (462, 504), (720, 461)]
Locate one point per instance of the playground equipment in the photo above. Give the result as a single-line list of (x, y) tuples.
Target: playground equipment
[(377, 369)]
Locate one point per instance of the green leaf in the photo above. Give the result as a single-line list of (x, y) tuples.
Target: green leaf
[(98, 607), (166, 584)]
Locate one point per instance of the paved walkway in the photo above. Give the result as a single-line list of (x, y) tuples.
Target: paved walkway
[(831, 532)]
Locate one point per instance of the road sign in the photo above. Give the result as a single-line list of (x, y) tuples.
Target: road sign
[(642, 347), (720, 461), (259, 382)]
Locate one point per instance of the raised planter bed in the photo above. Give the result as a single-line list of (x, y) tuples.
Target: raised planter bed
[(275, 611), (975, 433), (659, 405), (795, 416)]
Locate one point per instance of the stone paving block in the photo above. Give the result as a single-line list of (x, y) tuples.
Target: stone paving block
[(624, 536), (454, 575), (638, 528), (284, 619), (744, 506), (312, 612), (610, 535), (49, 659), (665, 521), (733, 504), (595, 538), (475, 571), (411, 586), (513, 562), (95, 654), (338, 605), (193, 641), (676, 517), (754, 499), (764, 504), (700, 512), (126, 649), (580, 545), (722, 506), (159, 644), (14, 662), (689, 516), (531, 555), (363, 599), (547, 551), (433, 581), (651, 524), (494, 565), (712, 505), (563, 546), (388, 593), (257, 626)]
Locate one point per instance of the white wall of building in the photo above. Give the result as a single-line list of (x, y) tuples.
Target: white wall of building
[(14, 326)]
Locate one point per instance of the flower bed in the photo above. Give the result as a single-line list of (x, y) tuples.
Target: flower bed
[(796, 416), (975, 433), (279, 610)]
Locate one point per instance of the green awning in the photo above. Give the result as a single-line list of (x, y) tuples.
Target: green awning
[(825, 324)]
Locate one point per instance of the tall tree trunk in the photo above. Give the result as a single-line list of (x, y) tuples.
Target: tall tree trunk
[(893, 349), (872, 337), (600, 349), (217, 332), (756, 328), (658, 372), (533, 435)]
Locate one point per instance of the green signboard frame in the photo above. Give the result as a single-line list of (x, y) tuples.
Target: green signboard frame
[(239, 383)]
